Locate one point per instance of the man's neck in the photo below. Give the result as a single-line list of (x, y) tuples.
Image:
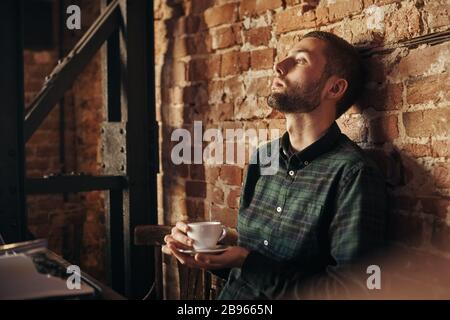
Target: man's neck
[(306, 128)]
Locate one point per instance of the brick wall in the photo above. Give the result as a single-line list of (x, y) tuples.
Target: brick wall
[(214, 64), (73, 224)]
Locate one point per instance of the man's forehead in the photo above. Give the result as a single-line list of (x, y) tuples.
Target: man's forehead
[(310, 45)]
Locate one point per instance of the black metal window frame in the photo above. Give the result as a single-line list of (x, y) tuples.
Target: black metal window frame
[(126, 26)]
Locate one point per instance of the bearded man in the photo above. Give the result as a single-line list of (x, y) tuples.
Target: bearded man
[(324, 208)]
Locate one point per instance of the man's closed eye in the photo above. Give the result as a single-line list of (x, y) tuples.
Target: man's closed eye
[(301, 61)]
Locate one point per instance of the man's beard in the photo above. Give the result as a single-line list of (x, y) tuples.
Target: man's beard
[(297, 98)]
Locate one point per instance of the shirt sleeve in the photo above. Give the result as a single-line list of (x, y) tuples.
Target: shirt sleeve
[(357, 228)]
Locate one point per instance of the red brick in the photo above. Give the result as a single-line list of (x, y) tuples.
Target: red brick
[(437, 13), (344, 8), (196, 189), (43, 57), (37, 218), (307, 4), (203, 69), (252, 108), (234, 62), (225, 215), (233, 90), (440, 148), (223, 14), (383, 97), (354, 109), (259, 87), (427, 123), (285, 43), (180, 47), (226, 37), (244, 60), (255, 7), (214, 63), (403, 23), (175, 186), (181, 170), (428, 89), (28, 58), (435, 205), (46, 150), (197, 172), (231, 175), (212, 174), (195, 94), (417, 150), (259, 36), (199, 44), (230, 63), (215, 194), (178, 74), (354, 127), (441, 174), (420, 61), (186, 25), (322, 14), (293, 19), (376, 71), (368, 3), (195, 209), (215, 91), (383, 129), (221, 112), (233, 198), (262, 59), (198, 6)]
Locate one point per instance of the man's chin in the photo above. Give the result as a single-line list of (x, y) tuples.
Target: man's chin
[(281, 103), (277, 101)]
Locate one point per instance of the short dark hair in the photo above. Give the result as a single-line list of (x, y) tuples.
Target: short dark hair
[(343, 60)]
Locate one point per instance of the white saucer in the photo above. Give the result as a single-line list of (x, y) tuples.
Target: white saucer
[(217, 249)]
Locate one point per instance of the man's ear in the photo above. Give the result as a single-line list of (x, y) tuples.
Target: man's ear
[(337, 89)]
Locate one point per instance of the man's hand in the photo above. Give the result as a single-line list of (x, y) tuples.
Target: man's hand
[(178, 238), (233, 257)]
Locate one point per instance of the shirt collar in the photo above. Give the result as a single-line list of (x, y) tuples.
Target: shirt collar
[(322, 145)]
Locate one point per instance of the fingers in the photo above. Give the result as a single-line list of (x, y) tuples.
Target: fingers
[(178, 233), (186, 259), (182, 226), (181, 237), (165, 249), (183, 258), (203, 261), (178, 236), (207, 260), (169, 239)]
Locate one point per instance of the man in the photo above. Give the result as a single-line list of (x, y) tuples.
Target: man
[(325, 207)]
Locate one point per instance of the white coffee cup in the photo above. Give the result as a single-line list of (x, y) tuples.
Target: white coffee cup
[(206, 234)]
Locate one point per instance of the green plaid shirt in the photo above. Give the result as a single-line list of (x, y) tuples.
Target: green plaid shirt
[(323, 209)]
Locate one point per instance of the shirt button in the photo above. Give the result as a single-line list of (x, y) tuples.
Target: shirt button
[(306, 163), (266, 243), (278, 209), (291, 173)]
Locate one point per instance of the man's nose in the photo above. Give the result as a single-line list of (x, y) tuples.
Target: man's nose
[(283, 66)]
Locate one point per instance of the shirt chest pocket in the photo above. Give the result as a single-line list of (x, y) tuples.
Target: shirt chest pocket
[(298, 231)]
